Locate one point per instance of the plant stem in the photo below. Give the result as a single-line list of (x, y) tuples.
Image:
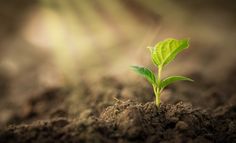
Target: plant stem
[(158, 100), (157, 95), (155, 89), (158, 90)]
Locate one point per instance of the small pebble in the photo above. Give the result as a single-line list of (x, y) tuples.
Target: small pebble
[(181, 125)]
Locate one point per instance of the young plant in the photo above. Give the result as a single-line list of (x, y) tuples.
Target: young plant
[(162, 54)]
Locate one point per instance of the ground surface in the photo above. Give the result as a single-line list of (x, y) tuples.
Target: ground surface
[(100, 115), (132, 122)]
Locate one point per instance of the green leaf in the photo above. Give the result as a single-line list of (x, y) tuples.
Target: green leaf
[(165, 51), (172, 79), (155, 58), (148, 74)]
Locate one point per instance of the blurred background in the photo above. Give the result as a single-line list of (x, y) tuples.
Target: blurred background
[(83, 48)]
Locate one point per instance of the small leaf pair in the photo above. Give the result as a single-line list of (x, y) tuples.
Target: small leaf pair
[(162, 54)]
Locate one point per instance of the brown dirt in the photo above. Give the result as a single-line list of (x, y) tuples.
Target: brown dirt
[(132, 122), (204, 111)]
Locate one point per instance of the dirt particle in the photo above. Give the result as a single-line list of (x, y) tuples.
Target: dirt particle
[(181, 125), (60, 122)]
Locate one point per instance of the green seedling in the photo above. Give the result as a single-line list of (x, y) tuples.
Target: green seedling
[(162, 54)]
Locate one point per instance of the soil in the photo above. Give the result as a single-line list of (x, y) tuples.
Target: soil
[(132, 122), (108, 115)]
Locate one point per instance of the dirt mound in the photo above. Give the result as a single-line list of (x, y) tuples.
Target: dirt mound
[(132, 122)]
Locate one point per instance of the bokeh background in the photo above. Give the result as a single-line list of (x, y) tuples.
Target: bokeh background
[(46, 45)]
